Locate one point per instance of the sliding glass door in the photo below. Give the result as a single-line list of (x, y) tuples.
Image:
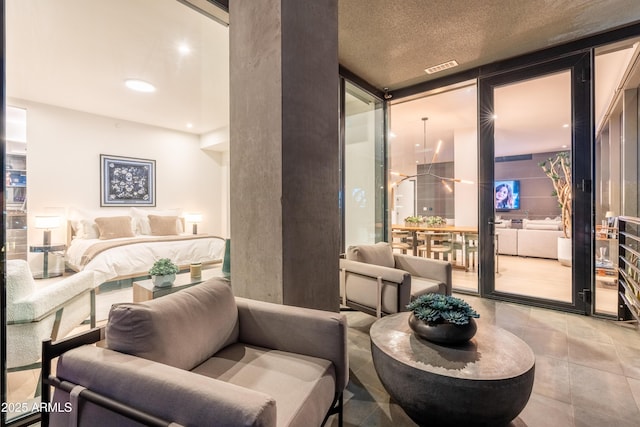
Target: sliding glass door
[(535, 189), (433, 176)]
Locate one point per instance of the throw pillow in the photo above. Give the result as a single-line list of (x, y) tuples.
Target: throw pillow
[(114, 227), (163, 225)]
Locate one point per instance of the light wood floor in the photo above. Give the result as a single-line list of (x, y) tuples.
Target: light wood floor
[(539, 278)]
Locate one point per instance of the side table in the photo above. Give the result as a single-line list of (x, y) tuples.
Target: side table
[(45, 250), (144, 290)]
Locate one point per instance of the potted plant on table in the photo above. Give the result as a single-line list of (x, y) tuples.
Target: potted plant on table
[(435, 221), (442, 318), (558, 169), (413, 221), (163, 272)]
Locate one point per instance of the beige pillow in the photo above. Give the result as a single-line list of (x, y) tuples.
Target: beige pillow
[(163, 225), (379, 254), (113, 227)]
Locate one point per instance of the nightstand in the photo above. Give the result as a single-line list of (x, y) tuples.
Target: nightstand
[(45, 249)]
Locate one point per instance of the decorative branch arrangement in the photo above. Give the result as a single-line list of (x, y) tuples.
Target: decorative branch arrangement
[(558, 169)]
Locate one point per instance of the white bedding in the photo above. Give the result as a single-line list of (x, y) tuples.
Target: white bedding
[(136, 259)]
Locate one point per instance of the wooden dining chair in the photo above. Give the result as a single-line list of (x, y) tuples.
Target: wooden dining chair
[(401, 240), (441, 245)]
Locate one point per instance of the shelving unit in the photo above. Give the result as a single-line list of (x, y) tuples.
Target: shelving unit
[(16, 185), (629, 269), (606, 262)]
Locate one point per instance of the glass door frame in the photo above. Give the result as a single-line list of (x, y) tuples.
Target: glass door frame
[(580, 65)]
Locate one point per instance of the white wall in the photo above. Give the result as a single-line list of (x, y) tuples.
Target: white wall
[(63, 166), (466, 167)]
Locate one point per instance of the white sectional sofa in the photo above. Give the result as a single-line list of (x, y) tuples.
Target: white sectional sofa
[(537, 238)]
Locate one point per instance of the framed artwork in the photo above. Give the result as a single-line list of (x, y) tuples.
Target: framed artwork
[(126, 181)]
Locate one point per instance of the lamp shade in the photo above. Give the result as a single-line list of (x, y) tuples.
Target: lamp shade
[(47, 222), (609, 214), (193, 217)]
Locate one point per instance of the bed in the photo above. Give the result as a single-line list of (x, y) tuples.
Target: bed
[(125, 246)]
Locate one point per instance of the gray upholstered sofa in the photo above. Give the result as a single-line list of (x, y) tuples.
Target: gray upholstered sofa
[(201, 357), (375, 280)]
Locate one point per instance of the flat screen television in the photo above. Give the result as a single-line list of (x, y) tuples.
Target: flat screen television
[(507, 195)]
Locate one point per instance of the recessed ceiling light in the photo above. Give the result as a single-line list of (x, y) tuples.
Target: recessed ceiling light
[(139, 85), (392, 135), (495, 116), (564, 146), (189, 125), (565, 125), (184, 49), (417, 145)]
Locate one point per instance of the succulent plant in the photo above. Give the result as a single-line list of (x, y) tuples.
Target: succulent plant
[(437, 308)]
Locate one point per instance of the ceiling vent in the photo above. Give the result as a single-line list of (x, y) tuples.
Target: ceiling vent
[(441, 67)]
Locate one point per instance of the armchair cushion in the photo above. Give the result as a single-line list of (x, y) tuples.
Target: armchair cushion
[(303, 386), (165, 391), (379, 254), (316, 333), (161, 329), (434, 271)]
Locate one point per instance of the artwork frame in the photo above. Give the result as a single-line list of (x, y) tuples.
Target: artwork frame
[(127, 181)]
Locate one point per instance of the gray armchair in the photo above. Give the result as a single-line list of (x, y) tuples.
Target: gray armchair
[(202, 357), (375, 280)]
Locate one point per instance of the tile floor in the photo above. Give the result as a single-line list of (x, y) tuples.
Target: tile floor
[(587, 370)]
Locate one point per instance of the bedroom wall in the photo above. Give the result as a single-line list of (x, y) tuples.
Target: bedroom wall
[(63, 168)]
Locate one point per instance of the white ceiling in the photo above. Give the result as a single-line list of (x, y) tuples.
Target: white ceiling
[(77, 54)]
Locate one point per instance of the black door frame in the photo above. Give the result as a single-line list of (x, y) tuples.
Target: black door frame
[(580, 65)]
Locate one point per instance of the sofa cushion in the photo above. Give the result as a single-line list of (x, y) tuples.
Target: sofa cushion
[(421, 286), (542, 224), (182, 329), (302, 386), (379, 254)]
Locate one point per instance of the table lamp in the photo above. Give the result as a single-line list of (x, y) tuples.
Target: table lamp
[(195, 218), (47, 223), (609, 214)]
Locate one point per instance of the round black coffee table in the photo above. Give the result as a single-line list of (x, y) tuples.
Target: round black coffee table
[(485, 382)]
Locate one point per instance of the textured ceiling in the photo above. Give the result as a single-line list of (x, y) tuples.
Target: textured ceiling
[(390, 43)]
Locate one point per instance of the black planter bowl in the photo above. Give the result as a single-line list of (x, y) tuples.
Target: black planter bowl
[(443, 333)]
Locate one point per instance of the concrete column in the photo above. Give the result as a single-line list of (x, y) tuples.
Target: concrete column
[(284, 151)]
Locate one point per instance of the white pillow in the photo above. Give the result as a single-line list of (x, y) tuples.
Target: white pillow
[(541, 224), (505, 223)]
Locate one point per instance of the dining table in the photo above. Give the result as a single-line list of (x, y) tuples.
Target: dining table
[(463, 231)]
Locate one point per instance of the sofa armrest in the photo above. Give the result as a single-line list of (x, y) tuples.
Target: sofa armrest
[(428, 268), (51, 298), (161, 390), (317, 333), (394, 275)]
